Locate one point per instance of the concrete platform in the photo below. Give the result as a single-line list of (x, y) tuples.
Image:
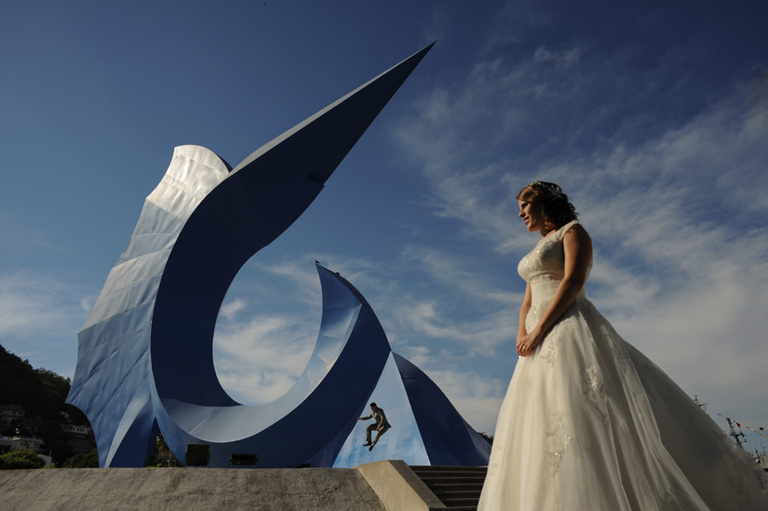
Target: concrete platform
[(187, 489), (380, 486)]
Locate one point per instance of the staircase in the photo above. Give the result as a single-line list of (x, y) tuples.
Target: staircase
[(458, 488)]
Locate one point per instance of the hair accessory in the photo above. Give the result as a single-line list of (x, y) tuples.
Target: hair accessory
[(554, 190)]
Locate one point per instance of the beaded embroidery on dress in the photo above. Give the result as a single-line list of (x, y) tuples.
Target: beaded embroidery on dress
[(589, 423)]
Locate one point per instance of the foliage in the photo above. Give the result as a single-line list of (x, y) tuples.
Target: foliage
[(488, 438), (42, 394), (20, 459), (161, 455), (83, 460)]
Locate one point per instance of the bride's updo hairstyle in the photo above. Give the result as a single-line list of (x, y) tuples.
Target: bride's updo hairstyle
[(552, 201)]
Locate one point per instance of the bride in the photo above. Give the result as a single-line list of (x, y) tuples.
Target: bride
[(588, 422)]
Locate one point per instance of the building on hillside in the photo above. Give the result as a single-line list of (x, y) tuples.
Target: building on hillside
[(79, 438), (36, 445), (10, 415), (23, 442)]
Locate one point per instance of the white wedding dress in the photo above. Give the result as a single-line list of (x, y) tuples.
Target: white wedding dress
[(589, 423)]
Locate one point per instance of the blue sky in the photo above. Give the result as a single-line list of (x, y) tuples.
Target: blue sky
[(653, 116)]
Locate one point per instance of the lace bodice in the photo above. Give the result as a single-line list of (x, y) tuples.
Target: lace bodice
[(544, 266)]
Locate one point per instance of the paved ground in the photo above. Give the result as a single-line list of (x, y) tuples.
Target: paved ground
[(187, 489)]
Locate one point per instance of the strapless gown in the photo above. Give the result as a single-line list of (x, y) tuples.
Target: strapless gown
[(590, 424)]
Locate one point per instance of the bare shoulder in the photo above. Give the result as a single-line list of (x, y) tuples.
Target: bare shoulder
[(577, 233), (578, 244)]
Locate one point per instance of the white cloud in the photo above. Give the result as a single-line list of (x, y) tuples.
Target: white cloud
[(676, 210), (87, 303), (476, 396), (463, 275), (230, 309), (36, 305), (677, 213), (39, 319), (562, 59), (259, 360)]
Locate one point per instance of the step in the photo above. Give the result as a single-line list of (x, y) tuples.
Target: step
[(451, 486), (458, 488), (464, 502), (447, 468)]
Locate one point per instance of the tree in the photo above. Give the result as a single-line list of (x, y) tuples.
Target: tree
[(83, 460), (161, 455), (41, 393), (20, 459), (488, 438)]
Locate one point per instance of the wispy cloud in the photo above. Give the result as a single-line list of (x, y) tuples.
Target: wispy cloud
[(258, 360), (560, 59), (670, 190), (474, 394), (40, 317), (230, 309), (676, 206)]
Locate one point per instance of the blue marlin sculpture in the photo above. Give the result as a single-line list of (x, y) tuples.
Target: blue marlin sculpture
[(145, 353)]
